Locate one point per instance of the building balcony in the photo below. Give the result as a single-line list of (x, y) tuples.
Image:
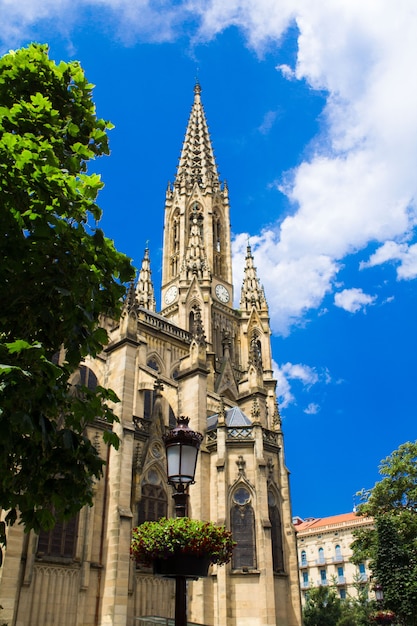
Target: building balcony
[(322, 583), (339, 558), (303, 564), (321, 561), (341, 580), (305, 585)]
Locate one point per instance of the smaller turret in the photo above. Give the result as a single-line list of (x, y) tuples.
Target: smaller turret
[(144, 294), (252, 291)]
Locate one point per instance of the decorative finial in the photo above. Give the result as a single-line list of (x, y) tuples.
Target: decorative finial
[(197, 87)]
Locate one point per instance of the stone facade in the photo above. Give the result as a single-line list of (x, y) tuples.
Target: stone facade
[(324, 553), (197, 357)]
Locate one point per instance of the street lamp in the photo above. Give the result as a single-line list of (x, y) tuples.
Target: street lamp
[(181, 445), (379, 593)]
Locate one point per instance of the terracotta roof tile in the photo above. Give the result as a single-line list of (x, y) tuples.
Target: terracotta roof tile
[(320, 522)]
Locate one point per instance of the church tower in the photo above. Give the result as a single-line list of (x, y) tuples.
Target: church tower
[(197, 259), (202, 358)]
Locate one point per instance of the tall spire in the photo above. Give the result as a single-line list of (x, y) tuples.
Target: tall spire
[(197, 163), (252, 291), (144, 289)]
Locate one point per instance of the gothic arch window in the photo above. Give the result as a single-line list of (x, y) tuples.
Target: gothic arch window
[(88, 378), (217, 232), (175, 231), (217, 244), (153, 501), (60, 542), (242, 521), (276, 533), (149, 397), (153, 364)]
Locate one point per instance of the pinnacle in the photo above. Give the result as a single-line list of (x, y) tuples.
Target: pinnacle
[(197, 163)]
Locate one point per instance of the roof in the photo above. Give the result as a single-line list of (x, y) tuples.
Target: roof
[(235, 417), (317, 523)]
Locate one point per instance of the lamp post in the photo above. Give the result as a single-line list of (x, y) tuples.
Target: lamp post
[(181, 445), (379, 593)]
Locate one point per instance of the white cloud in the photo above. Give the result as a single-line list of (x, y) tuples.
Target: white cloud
[(393, 251), (353, 300), (286, 71), (359, 184), (289, 373), (312, 409), (268, 122)]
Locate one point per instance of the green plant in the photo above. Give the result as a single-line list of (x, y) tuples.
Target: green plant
[(181, 535), (382, 617)]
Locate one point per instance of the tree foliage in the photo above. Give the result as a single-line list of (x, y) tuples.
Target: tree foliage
[(322, 608), (58, 275), (392, 545)]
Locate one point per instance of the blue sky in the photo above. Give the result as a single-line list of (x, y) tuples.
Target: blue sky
[(313, 117)]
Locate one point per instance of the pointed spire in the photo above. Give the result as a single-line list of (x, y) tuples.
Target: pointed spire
[(197, 163), (129, 301), (252, 291), (144, 289)]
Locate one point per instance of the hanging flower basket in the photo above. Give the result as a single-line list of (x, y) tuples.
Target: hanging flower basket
[(181, 546), (187, 565), (383, 617)]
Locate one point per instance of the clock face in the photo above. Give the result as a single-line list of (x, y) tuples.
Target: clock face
[(222, 293), (171, 294)]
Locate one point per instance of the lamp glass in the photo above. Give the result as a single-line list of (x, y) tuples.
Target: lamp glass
[(181, 462), (379, 594)]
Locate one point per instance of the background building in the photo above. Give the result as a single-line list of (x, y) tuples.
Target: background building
[(324, 553), (199, 357)]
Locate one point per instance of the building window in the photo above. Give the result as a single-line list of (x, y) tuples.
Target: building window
[(148, 402), (323, 577), (321, 555), (305, 579), (362, 573), (303, 558), (153, 364), (61, 541), (243, 528), (338, 553), (342, 594), (153, 501), (276, 534), (88, 378)]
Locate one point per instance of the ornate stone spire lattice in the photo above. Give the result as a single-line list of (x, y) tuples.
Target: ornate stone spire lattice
[(144, 294), (197, 163), (253, 294)]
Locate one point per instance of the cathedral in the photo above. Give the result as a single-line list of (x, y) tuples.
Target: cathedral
[(197, 357)]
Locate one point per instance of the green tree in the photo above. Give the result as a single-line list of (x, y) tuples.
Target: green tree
[(58, 275), (322, 608), (392, 545)]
